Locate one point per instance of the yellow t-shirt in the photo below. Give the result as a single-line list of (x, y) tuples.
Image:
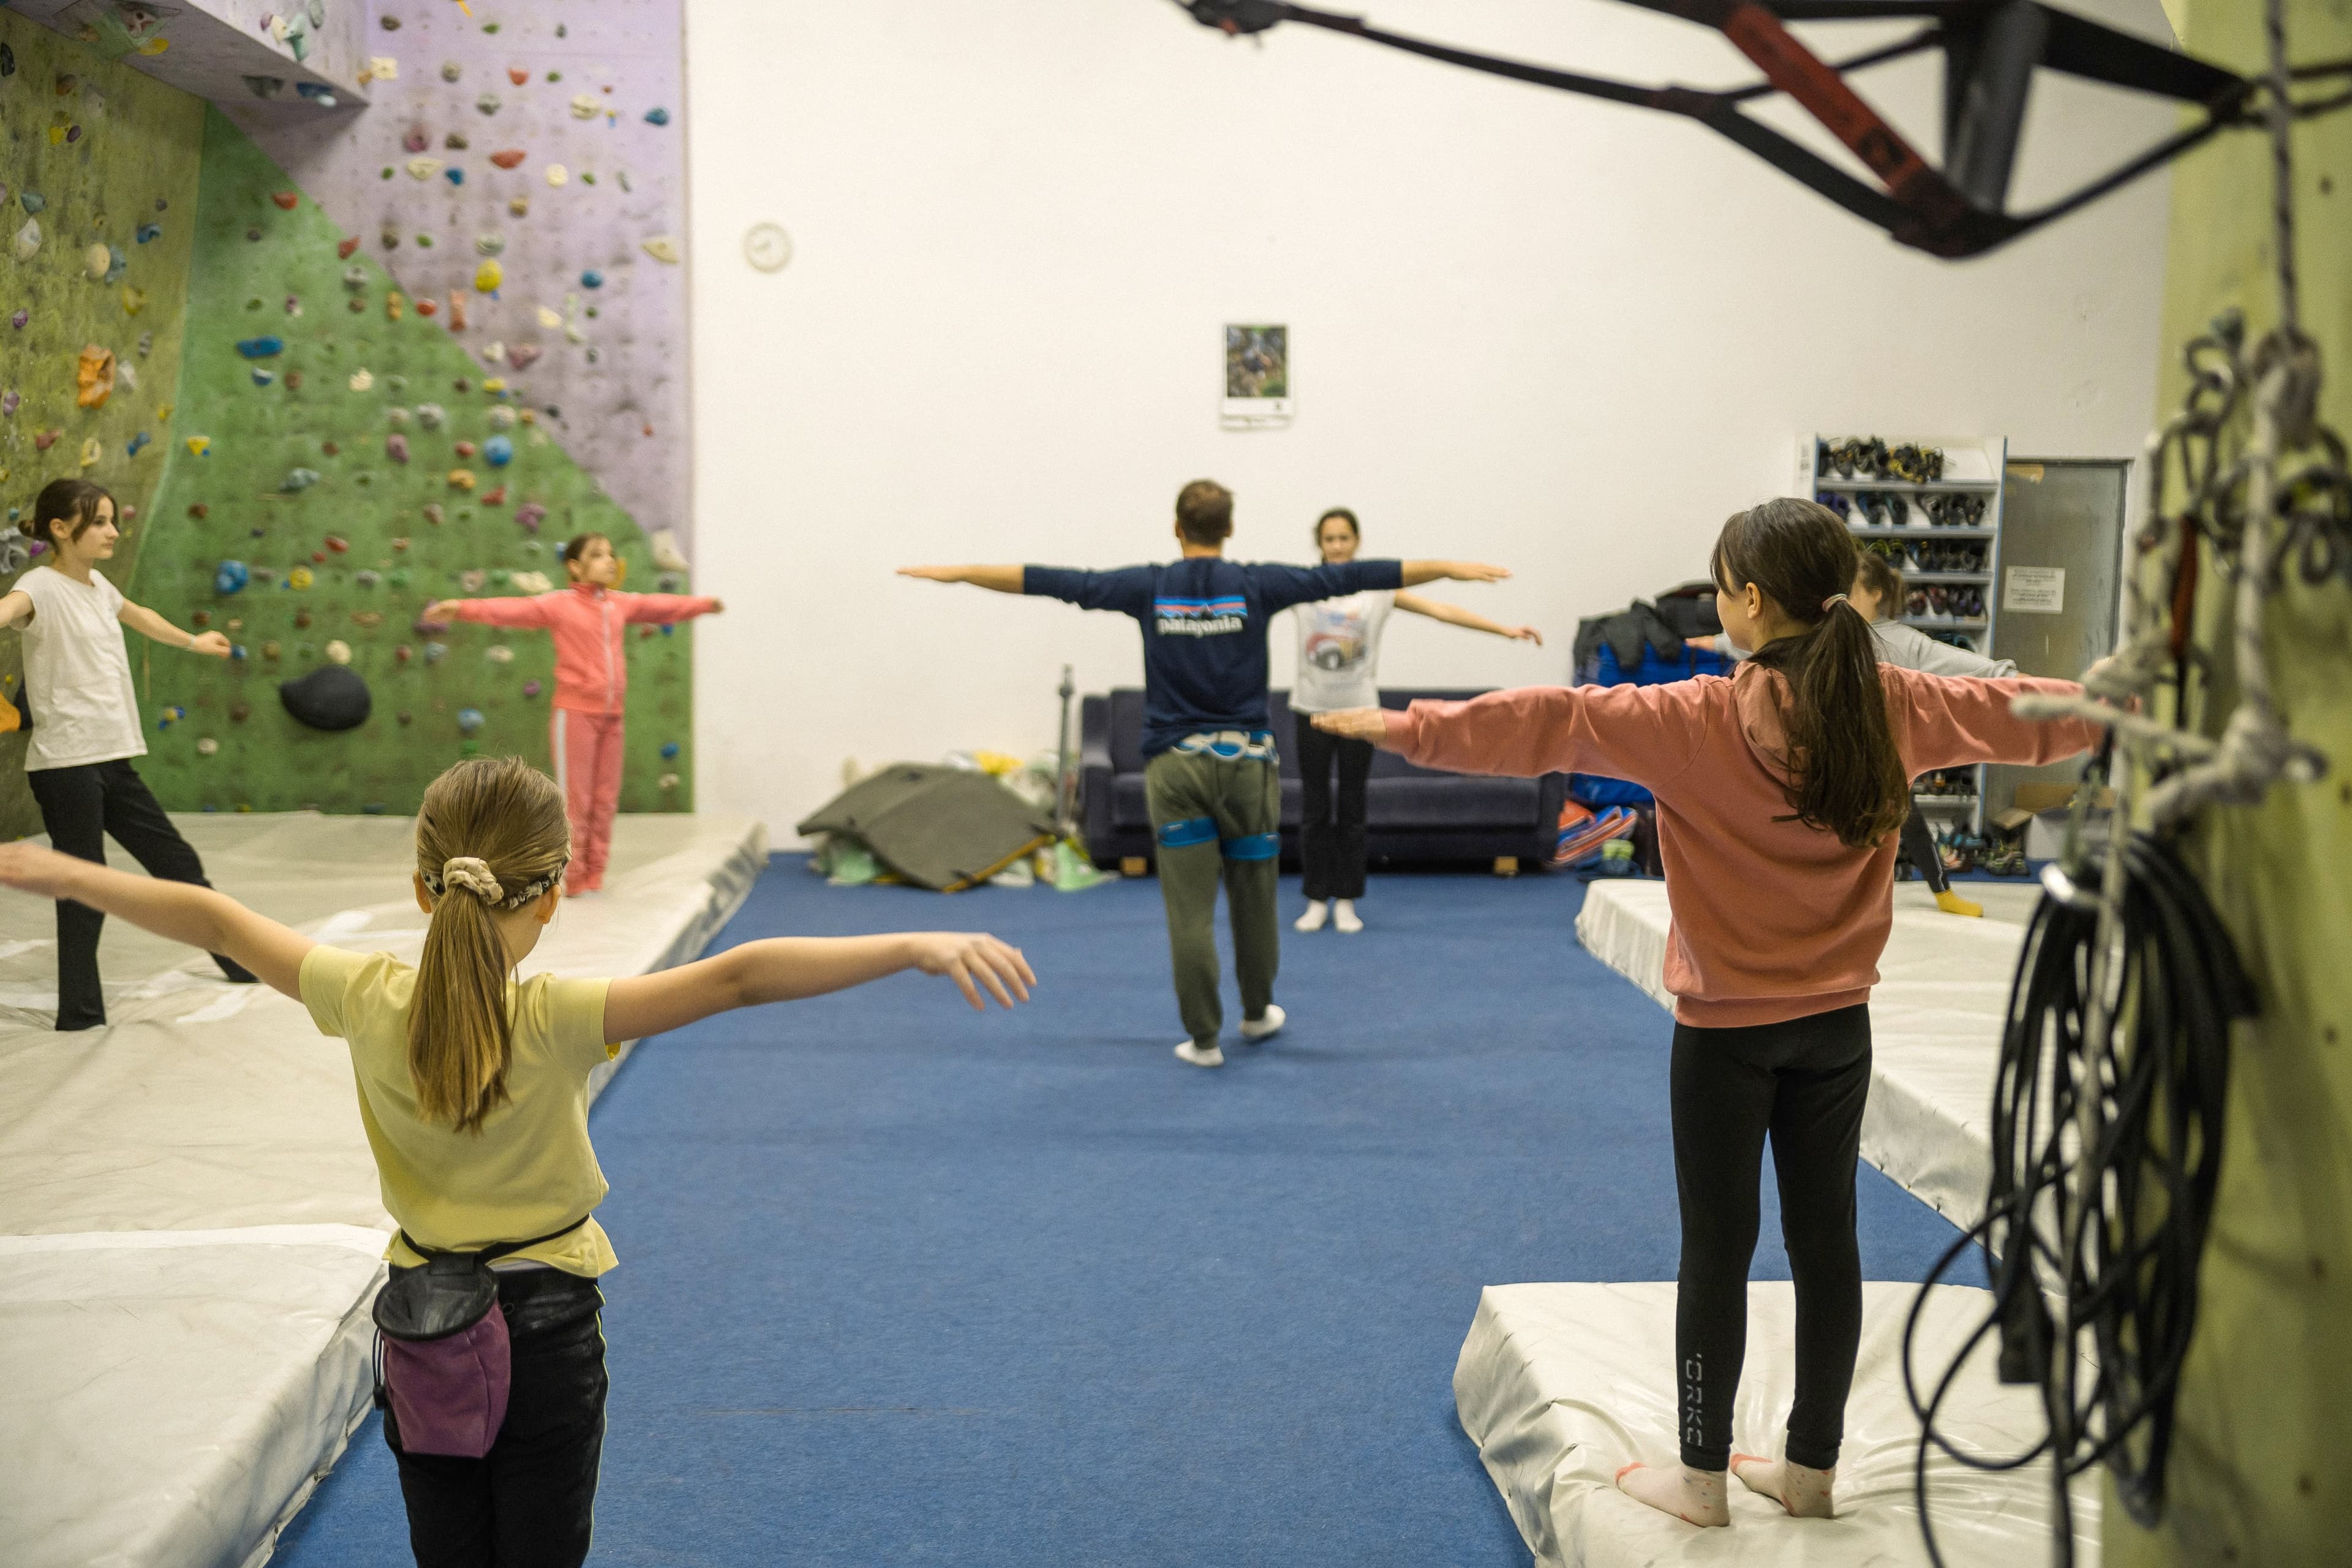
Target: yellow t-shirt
[(529, 1170)]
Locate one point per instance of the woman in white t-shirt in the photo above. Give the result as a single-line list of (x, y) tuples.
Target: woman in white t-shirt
[(1338, 664), (84, 721)]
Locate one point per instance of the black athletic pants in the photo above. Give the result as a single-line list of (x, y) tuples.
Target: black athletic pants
[(1919, 849), (1333, 850), (530, 1502), (1804, 1082), (80, 806)]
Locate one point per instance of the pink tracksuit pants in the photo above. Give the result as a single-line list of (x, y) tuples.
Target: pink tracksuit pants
[(586, 749)]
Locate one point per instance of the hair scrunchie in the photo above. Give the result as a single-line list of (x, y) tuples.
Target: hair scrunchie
[(473, 874), (1833, 599)]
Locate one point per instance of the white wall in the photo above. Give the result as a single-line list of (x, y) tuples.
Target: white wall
[(1526, 328)]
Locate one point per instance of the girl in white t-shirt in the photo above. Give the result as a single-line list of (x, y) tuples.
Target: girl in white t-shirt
[(1338, 662), (84, 721)]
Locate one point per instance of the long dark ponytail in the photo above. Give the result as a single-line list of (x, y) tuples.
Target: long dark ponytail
[(1846, 776)]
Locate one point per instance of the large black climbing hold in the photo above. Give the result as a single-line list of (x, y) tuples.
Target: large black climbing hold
[(331, 696)]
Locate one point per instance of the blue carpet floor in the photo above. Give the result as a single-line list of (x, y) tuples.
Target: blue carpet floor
[(901, 1284)]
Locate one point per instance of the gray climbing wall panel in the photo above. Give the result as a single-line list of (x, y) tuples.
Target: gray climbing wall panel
[(587, 91)]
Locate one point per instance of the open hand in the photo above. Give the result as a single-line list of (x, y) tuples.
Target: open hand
[(1477, 572), (966, 957), (35, 869), (929, 573), (1524, 634), (214, 643), (1356, 724), (442, 611)]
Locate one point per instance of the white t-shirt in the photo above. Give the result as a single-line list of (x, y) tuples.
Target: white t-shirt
[(1340, 652), (77, 677)]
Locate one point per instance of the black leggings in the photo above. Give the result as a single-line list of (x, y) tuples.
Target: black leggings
[(80, 806), (1805, 1082), (1333, 851), (530, 1502), (1919, 849)]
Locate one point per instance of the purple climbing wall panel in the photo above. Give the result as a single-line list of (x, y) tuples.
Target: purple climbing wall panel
[(537, 146)]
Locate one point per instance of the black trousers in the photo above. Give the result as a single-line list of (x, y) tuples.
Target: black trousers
[(1332, 848), (80, 808), (530, 1502), (1919, 849), (1804, 1082)]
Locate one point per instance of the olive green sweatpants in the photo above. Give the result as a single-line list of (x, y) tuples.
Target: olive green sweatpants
[(1214, 820)]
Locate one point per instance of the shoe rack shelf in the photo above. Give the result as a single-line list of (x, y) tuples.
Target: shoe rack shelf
[(1972, 465)]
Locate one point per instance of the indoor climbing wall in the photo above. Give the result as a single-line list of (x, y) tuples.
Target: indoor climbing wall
[(542, 140), (98, 179), (346, 452)]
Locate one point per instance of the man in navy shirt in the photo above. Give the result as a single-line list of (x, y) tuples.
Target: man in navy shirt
[(1211, 777)]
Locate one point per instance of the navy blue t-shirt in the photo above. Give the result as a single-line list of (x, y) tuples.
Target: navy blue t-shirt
[(1205, 625)]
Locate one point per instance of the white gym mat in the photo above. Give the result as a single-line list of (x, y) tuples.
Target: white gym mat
[(1560, 1385), (1935, 1020), (190, 1226)]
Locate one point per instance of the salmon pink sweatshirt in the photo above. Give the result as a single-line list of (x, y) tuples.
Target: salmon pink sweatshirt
[(591, 673), (1772, 919)]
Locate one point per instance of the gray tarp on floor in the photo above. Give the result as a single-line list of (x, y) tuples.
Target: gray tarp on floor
[(189, 1218), (942, 828)]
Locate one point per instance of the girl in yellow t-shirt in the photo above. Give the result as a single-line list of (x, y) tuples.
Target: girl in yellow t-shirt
[(473, 1089)]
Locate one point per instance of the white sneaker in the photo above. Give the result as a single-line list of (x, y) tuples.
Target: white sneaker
[(1266, 1027), (1188, 1052), (1343, 917), (1318, 912)]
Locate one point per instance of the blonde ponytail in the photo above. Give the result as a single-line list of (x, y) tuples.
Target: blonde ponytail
[(491, 838)]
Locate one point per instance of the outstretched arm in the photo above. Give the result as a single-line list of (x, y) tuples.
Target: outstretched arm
[(16, 608), (789, 968), (178, 911), (666, 609), (1416, 573), (1454, 615), (519, 610), (997, 579), (139, 618)]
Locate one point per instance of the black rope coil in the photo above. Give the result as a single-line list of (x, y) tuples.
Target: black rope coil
[(2105, 1161)]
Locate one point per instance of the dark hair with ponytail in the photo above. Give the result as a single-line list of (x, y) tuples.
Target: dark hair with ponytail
[(1878, 574), (1846, 776), (74, 502)]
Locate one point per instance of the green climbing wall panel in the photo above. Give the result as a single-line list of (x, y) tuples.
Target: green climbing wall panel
[(350, 557), (104, 154)]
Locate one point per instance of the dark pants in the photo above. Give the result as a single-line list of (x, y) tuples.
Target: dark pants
[(530, 1502), (1919, 849), (1217, 821), (1333, 849), (80, 806), (1804, 1082)]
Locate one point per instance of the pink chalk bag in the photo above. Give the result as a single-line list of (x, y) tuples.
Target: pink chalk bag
[(446, 1363)]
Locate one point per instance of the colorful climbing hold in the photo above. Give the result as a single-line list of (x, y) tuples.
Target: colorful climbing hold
[(263, 377), (530, 688), (487, 276), (297, 480), (490, 242), (461, 479), (91, 452), (433, 514), (95, 261), (428, 306), (508, 158), (392, 311), (661, 247), (518, 206), (498, 451), (423, 168), (261, 348), (137, 441), (133, 300), (94, 377), (557, 173), (517, 75), (147, 231), (286, 200), (454, 176), (44, 439), (499, 653), (20, 318), (463, 449), (670, 750), (198, 446), (531, 514), (28, 239), (457, 311), (470, 719), (487, 103), (395, 447), (658, 117), (496, 497), (299, 577), (362, 379), (339, 651), (455, 142), (207, 747), (230, 576)]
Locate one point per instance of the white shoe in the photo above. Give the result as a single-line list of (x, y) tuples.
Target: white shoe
[(1343, 917), (1188, 1052), (1318, 912), (1266, 1027)]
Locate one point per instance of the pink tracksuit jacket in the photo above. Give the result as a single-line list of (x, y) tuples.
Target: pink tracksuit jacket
[(592, 674), (1772, 919)]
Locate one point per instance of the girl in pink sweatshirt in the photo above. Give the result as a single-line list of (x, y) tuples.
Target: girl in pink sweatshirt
[(588, 620), (1780, 793)]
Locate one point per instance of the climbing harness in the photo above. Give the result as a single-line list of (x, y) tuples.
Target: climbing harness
[(1992, 49)]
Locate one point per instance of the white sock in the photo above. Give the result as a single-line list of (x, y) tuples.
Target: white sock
[(1695, 1497), (1343, 916), (1318, 910)]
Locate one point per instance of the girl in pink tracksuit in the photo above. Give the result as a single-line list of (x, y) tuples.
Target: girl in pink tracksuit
[(588, 620), (1780, 792)]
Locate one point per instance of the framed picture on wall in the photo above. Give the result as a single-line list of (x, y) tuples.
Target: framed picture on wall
[(1257, 377)]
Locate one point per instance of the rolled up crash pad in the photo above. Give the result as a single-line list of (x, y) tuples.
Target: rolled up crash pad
[(942, 828)]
